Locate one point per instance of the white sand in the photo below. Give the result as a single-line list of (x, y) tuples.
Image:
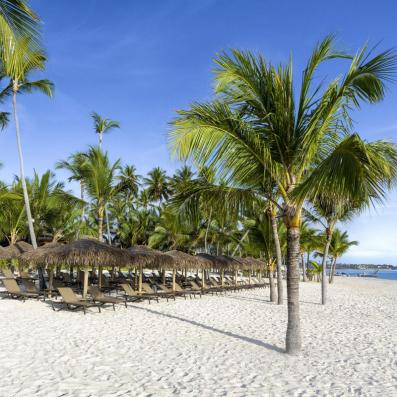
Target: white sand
[(216, 346)]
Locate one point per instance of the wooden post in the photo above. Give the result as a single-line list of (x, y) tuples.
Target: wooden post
[(85, 285), (140, 278), (100, 276), (222, 278), (173, 279), (249, 276), (203, 280), (163, 276), (50, 281), (235, 278)]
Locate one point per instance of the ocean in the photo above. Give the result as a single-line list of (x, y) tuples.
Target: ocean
[(384, 274)]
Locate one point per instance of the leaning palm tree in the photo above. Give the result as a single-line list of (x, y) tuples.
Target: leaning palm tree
[(19, 60), (256, 129), (103, 125), (340, 244)]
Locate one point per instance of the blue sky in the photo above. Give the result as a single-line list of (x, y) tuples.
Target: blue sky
[(139, 61)]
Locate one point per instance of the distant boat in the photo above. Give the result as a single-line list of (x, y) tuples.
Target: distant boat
[(364, 274)]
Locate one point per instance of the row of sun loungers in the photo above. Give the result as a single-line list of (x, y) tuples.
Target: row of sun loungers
[(123, 290)]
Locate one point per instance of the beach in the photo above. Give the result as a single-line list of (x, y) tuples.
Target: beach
[(214, 346)]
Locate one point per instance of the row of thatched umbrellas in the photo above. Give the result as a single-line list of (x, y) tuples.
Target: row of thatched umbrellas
[(89, 253)]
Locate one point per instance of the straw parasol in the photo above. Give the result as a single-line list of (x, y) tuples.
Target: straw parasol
[(183, 260), (82, 253), (156, 260), (15, 250)]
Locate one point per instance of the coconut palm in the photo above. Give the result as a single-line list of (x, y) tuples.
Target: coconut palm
[(75, 166), (103, 125), (100, 181), (130, 180), (19, 61), (256, 130), (18, 20), (157, 185), (340, 244)]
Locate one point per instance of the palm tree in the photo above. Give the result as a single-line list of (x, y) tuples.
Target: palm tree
[(130, 180), (255, 130), (19, 60), (18, 20), (340, 244), (75, 165), (157, 185), (99, 177), (103, 125)]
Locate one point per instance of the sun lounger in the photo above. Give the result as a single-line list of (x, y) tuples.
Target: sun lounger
[(71, 301), (132, 296), (8, 273), (14, 291), (31, 288), (98, 296), (190, 292)]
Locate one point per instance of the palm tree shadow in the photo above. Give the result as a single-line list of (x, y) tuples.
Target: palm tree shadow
[(209, 328), (245, 298)]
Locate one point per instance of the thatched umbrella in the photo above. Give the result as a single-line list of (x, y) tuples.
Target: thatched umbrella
[(182, 260), (156, 260), (83, 253), (15, 250)]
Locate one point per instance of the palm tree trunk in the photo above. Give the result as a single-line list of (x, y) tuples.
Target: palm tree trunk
[(206, 232), (100, 224), (107, 224), (293, 337), (278, 257), (22, 172), (100, 140), (83, 209), (332, 271), (273, 295), (328, 232)]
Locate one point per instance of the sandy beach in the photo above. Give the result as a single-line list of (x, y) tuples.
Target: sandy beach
[(214, 346)]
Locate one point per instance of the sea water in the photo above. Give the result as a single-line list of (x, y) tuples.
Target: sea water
[(384, 274)]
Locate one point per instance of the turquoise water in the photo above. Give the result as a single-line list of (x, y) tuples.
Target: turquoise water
[(384, 274)]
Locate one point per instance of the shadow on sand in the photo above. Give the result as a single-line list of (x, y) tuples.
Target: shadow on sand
[(209, 328)]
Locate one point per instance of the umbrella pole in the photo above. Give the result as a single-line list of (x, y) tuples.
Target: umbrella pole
[(50, 281), (173, 279), (85, 285), (163, 276), (203, 281), (249, 277), (100, 276), (235, 278), (140, 279)]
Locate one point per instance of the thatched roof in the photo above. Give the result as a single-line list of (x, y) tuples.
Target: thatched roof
[(212, 261), (155, 259), (15, 250), (84, 252), (184, 260)]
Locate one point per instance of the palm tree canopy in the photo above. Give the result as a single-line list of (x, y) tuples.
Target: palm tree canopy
[(256, 129), (103, 124)]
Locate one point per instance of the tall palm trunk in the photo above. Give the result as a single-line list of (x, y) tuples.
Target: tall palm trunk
[(206, 233), (107, 224), (328, 233), (332, 271), (22, 170), (293, 337), (100, 223), (278, 257), (273, 294), (100, 140), (82, 188)]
